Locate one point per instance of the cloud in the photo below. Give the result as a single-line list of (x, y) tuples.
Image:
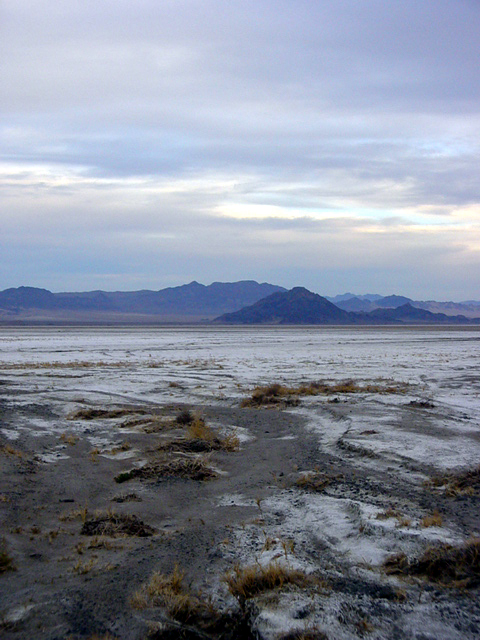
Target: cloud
[(147, 142)]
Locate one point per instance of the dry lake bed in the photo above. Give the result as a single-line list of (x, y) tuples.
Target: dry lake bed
[(269, 483)]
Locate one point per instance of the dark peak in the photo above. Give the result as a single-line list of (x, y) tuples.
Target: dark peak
[(26, 290), (301, 290)]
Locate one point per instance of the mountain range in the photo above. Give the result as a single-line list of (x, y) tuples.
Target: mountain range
[(244, 302), (192, 302), (300, 306)]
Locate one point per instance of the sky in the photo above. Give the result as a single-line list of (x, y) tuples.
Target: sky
[(331, 144)]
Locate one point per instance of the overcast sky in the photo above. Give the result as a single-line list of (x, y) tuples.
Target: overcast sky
[(332, 144)]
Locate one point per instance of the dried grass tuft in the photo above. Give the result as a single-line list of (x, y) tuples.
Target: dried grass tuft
[(315, 481), (116, 525), (190, 468), (92, 413), (433, 520), (458, 484), (277, 394), (170, 593), (444, 564), (247, 582)]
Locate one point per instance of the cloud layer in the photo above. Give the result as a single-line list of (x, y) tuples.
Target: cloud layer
[(329, 144)]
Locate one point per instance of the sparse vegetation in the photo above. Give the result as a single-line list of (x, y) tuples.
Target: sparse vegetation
[(274, 394), (8, 450), (75, 514), (433, 520), (277, 394), (391, 512), (91, 413), (315, 481), (191, 468), (84, 567), (69, 438), (444, 564), (247, 582), (116, 525), (184, 418), (192, 614), (457, 484), (120, 448), (170, 592)]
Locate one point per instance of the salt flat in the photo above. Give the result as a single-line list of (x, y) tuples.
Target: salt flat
[(378, 449)]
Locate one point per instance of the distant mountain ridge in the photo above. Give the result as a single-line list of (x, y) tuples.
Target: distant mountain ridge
[(370, 302), (244, 302), (297, 306), (192, 301), (300, 306)]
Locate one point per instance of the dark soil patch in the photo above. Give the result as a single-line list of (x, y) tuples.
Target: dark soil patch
[(128, 497), (193, 446), (6, 562), (421, 404)]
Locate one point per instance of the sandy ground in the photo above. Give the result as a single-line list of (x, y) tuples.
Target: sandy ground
[(66, 584)]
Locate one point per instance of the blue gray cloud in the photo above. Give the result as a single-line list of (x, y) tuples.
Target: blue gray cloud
[(318, 143)]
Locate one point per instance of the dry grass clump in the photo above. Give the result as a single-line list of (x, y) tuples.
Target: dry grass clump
[(247, 582), (116, 525), (91, 413), (200, 438), (277, 394), (444, 564), (433, 520), (8, 450), (184, 418), (458, 484), (315, 481), (75, 514), (120, 448), (169, 592), (198, 431), (192, 615), (69, 438), (274, 394), (190, 468)]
